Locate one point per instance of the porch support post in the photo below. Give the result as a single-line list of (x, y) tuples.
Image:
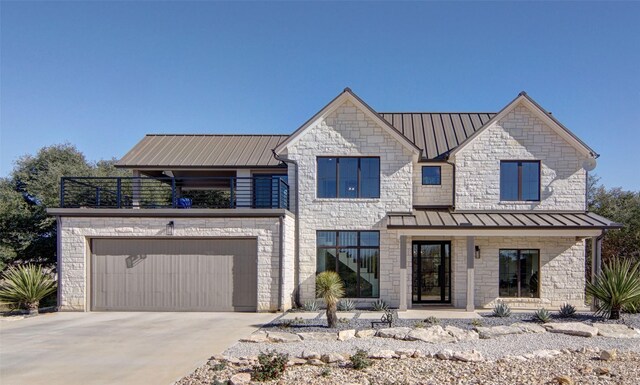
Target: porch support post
[(594, 258), (403, 273), (135, 189), (471, 250)]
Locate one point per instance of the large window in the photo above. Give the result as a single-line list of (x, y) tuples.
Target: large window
[(519, 273), (348, 177), (519, 180), (355, 256), (431, 175)]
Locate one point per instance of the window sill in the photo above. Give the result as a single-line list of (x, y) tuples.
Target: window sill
[(519, 202), (350, 200)]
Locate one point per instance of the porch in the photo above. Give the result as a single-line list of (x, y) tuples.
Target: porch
[(471, 260)]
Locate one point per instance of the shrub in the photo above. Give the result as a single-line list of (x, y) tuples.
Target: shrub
[(615, 287), (329, 286), (326, 372), (346, 305), (285, 324), (344, 320), (271, 366), (433, 320), (632, 308), (310, 306), (567, 310), (379, 305), (419, 325), (219, 366), (542, 315), (501, 309), (25, 286), (476, 322), (360, 360)]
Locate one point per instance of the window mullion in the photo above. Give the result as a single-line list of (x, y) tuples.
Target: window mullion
[(337, 177), (519, 181), (358, 181)]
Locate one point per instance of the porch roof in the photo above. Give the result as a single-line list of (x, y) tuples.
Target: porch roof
[(445, 219)]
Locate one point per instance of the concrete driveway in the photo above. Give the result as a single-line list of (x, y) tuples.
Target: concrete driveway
[(116, 348)]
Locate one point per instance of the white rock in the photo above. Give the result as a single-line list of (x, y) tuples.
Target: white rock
[(296, 361), (379, 354), (472, 356), (397, 333), (344, 335), (315, 362), (318, 336), (259, 337), (240, 379), (546, 353), (615, 331), (283, 337), (461, 334), (310, 355), (529, 327), (445, 354), (366, 333), (497, 331), (572, 328), (434, 334), (405, 352), (330, 358), (608, 355)]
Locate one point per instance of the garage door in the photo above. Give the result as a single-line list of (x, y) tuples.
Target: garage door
[(174, 274)]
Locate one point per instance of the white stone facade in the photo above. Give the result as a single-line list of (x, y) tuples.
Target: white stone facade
[(350, 132), (433, 195), (78, 231), (519, 136)]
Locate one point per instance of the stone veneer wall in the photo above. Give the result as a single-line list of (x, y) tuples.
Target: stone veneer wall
[(77, 232), (349, 132), (441, 195), (561, 270), (519, 136)]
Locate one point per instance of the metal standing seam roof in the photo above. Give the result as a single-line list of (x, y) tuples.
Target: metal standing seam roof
[(437, 133), (442, 219), (203, 150)]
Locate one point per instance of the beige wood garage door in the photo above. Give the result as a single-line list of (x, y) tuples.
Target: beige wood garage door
[(174, 274)]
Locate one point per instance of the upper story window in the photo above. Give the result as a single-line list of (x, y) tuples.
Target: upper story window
[(520, 180), (431, 175), (348, 177)]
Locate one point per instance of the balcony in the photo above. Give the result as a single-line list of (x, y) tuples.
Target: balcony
[(258, 192)]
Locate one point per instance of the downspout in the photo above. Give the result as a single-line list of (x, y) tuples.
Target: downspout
[(453, 191), (296, 260), (280, 263)]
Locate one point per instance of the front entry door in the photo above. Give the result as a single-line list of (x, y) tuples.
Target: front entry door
[(431, 272)]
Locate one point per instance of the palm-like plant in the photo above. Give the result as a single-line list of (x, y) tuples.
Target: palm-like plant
[(617, 286), (329, 287), (25, 286)]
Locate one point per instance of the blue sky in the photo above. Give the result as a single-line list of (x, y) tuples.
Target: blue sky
[(102, 74)]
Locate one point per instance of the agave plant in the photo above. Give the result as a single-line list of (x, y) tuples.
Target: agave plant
[(379, 305), (346, 305), (310, 306), (616, 286), (632, 307), (542, 315), (501, 309), (25, 286), (329, 287), (567, 310)]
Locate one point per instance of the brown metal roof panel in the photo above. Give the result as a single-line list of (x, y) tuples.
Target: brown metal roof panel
[(467, 125), (476, 121), (498, 219), (575, 219), (419, 140), (487, 219), (525, 219), (407, 123), (458, 128), (446, 218), (409, 220), (434, 219), (551, 219), (512, 219), (441, 140), (395, 220), (431, 151), (449, 131), (421, 218)]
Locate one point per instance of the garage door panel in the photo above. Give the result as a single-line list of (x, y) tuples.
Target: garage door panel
[(174, 275)]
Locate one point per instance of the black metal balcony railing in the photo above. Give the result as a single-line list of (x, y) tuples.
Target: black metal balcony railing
[(166, 192)]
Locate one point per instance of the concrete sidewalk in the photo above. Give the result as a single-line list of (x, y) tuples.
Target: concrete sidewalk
[(116, 348)]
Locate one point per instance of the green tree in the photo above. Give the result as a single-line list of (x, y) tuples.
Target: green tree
[(27, 232), (620, 206), (329, 287)]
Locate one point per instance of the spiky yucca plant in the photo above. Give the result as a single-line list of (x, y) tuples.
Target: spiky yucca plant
[(329, 287), (25, 286), (542, 315), (501, 309), (567, 310), (617, 286)]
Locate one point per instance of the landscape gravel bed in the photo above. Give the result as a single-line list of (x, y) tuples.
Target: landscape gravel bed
[(490, 348), (568, 368), (318, 324)]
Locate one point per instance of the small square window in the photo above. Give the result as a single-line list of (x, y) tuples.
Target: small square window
[(431, 175)]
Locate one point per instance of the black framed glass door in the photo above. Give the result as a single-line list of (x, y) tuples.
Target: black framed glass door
[(431, 272)]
